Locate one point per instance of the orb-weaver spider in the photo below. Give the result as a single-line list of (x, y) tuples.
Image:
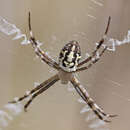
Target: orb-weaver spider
[(69, 64)]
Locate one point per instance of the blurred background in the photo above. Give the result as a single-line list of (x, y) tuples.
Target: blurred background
[(55, 22)]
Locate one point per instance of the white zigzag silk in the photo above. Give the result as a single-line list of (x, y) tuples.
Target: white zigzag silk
[(10, 29)]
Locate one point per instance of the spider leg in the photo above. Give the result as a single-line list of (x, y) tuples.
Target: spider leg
[(98, 46), (85, 96), (44, 57), (35, 89), (96, 59), (40, 91)]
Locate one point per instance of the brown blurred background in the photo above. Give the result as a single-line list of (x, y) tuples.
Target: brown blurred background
[(55, 22)]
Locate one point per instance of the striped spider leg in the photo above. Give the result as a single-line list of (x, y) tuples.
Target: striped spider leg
[(85, 96), (95, 56), (93, 61), (51, 82), (37, 90), (40, 53)]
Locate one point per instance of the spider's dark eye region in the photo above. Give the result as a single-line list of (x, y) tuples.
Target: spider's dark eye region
[(70, 56)]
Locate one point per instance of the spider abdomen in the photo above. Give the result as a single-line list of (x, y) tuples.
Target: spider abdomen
[(65, 77), (70, 56)]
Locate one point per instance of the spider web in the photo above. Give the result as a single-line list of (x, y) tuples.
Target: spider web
[(15, 109), (10, 29), (9, 111)]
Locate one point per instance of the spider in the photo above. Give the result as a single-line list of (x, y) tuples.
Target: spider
[(68, 65)]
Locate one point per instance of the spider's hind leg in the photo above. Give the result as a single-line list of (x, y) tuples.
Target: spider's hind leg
[(85, 96), (40, 91), (41, 86), (29, 93)]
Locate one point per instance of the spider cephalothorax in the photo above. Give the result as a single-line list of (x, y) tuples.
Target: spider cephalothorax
[(67, 66), (69, 56)]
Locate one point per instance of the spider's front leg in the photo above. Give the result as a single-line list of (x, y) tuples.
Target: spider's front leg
[(85, 96), (94, 53), (93, 61), (44, 57)]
